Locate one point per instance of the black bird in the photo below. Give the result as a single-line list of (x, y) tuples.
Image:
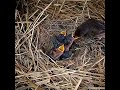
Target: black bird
[(91, 27)]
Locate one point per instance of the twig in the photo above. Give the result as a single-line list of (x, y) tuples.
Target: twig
[(76, 88), (36, 87), (33, 14), (97, 62), (61, 7)]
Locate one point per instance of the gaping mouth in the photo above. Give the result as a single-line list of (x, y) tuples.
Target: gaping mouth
[(61, 48)]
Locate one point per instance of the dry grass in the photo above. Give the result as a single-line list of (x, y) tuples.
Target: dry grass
[(35, 25)]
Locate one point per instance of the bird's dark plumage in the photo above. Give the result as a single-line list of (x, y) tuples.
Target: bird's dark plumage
[(61, 38), (90, 27), (64, 39), (56, 43), (66, 54)]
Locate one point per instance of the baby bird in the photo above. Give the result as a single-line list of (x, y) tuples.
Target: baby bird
[(68, 42), (57, 52), (61, 45)]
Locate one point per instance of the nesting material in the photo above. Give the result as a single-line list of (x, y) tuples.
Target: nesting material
[(36, 21)]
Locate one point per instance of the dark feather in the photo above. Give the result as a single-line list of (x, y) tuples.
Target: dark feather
[(90, 27)]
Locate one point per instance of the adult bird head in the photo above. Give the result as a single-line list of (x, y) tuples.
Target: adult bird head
[(90, 27)]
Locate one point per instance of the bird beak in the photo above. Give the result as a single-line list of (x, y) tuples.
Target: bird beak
[(56, 53), (61, 48), (75, 37), (63, 33)]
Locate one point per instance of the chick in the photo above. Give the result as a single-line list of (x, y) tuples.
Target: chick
[(66, 54), (61, 45), (61, 37), (57, 52), (67, 40)]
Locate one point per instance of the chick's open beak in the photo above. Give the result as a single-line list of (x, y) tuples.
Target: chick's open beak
[(63, 33), (70, 39), (61, 48), (56, 53), (74, 36)]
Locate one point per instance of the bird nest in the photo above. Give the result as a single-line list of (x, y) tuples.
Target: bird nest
[(35, 25)]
